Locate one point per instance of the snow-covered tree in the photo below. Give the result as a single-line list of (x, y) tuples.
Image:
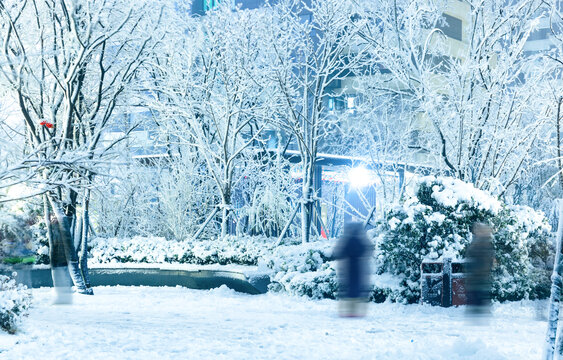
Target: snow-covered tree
[(266, 196), (476, 95), (169, 197), (312, 46), (213, 94), (541, 181), (382, 130), (68, 66)]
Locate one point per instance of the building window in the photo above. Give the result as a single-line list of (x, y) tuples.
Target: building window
[(336, 103), (341, 103), (452, 27), (210, 4), (330, 104)]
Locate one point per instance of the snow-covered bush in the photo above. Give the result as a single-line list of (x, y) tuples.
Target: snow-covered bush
[(295, 268), (304, 269), (524, 248), (301, 269), (266, 197), (434, 221), (21, 230), (309, 270), (229, 250), (15, 300)]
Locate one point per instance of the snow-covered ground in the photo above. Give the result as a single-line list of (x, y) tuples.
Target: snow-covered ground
[(179, 323)]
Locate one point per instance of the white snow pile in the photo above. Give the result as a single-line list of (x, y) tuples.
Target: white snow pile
[(15, 300)]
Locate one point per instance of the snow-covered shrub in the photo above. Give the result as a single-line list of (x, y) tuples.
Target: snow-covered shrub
[(318, 284), (386, 287), (15, 300), (309, 270), (524, 248), (264, 199), (166, 199), (229, 250), (304, 269), (296, 268), (434, 221), (21, 230)]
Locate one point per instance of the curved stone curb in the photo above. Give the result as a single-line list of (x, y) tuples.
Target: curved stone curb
[(193, 279)]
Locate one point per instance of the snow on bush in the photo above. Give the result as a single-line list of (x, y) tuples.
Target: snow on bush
[(304, 269), (300, 269), (230, 250), (309, 270), (295, 268), (434, 221), (21, 230), (15, 300)]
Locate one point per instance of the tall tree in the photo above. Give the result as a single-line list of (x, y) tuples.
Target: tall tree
[(69, 65), (213, 93), (475, 90), (312, 47)]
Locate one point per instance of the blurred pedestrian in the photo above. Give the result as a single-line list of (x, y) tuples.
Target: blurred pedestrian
[(479, 264), (353, 252), (62, 282)]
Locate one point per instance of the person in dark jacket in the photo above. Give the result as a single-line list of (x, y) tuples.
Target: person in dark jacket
[(479, 264), (353, 251)]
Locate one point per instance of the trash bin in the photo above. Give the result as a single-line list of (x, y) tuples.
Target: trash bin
[(442, 283)]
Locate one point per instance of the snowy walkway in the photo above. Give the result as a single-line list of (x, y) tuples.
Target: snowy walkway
[(179, 323)]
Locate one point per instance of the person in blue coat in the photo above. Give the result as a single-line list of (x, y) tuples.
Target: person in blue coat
[(353, 251)]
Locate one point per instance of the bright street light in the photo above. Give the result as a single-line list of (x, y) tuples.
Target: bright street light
[(360, 177)]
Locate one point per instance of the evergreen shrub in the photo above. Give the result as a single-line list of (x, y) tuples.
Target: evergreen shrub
[(434, 221)]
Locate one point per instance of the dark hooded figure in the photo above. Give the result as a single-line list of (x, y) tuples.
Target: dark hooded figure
[(479, 263), (353, 252)]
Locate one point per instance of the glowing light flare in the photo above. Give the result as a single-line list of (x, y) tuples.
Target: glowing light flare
[(360, 177)]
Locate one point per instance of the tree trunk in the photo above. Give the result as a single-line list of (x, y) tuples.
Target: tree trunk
[(554, 301), (287, 225), (225, 211), (207, 221), (306, 209), (224, 220), (71, 256), (84, 242)]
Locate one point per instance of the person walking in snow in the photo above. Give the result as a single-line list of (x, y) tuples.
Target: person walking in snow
[(479, 262), (353, 251)]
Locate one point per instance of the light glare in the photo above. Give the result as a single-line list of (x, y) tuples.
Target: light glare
[(360, 177)]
